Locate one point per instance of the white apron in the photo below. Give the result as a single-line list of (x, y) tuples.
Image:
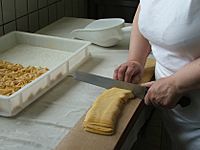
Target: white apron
[(173, 30)]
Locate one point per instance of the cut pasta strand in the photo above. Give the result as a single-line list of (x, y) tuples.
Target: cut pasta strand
[(14, 76)]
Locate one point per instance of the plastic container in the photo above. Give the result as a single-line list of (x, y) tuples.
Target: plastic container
[(60, 55)]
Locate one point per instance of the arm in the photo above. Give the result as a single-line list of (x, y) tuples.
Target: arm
[(167, 91), (139, 49), (188, 78)]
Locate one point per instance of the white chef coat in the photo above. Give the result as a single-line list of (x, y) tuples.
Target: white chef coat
[(173, 30)]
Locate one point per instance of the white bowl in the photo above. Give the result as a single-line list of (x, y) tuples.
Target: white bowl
[(102, 32)]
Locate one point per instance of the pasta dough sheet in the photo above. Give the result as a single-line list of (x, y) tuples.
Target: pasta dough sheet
[(102, 116)]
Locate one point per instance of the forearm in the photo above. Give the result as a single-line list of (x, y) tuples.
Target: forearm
[(139, 46), (188, 78)]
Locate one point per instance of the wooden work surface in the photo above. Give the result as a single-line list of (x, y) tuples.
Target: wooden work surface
[(78, 139)]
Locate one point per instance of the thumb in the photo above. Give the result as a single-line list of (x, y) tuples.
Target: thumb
[(148, 84)]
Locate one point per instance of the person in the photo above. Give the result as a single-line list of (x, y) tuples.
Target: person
[(171, 31)]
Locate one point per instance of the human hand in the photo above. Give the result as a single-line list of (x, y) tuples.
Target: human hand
[(131, 71), (162, 93)]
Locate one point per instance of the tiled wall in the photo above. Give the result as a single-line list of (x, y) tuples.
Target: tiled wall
[(76, 8), (31, 15)]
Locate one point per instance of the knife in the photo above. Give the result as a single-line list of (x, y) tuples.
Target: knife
[(139, 91)]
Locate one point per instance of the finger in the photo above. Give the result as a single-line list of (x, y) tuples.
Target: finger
[(146, 99), (121, 72), (136, 78), (115, 76), (129, 74), (153, 98), (148, 84), (154, 102)]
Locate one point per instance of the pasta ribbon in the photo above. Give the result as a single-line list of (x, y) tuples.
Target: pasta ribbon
[(14, 76)]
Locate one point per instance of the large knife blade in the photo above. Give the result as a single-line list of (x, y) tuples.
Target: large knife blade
[(138, 91)]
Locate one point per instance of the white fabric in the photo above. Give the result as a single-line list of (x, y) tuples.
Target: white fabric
[(173, 30)]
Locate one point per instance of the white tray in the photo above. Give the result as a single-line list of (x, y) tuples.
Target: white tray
[(60, 55)]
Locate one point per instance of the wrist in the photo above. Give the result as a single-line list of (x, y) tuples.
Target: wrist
[(141, 64), (136, 62), (179, 87)]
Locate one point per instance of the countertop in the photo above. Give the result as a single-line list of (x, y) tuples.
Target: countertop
[(43, 124)]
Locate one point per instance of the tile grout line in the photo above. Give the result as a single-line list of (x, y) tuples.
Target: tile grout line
[(48, 11), (28, 15), (38, 15), (15, 14), (64, 7), (2, 17)]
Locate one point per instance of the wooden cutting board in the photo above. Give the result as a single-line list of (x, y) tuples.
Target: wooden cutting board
[(78, 139)]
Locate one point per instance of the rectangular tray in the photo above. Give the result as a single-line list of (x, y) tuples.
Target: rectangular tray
[(60, 55)]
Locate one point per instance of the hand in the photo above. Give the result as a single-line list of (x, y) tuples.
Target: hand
[(131, 71), (162, 93)]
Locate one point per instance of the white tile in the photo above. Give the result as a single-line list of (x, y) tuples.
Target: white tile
[(21, 8), (33, 22), (68, 8), (52, 1), (42, 3), (52, 13), (43, 17), (32, 5), (60, 9), (8, 10), (1, 30), (10, 27), (22, 24)]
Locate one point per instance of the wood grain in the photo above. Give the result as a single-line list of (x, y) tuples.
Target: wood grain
[(78, 139)]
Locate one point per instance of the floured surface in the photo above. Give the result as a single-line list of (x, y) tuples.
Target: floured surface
[(45, 122), (64, 26), (35, 56)]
